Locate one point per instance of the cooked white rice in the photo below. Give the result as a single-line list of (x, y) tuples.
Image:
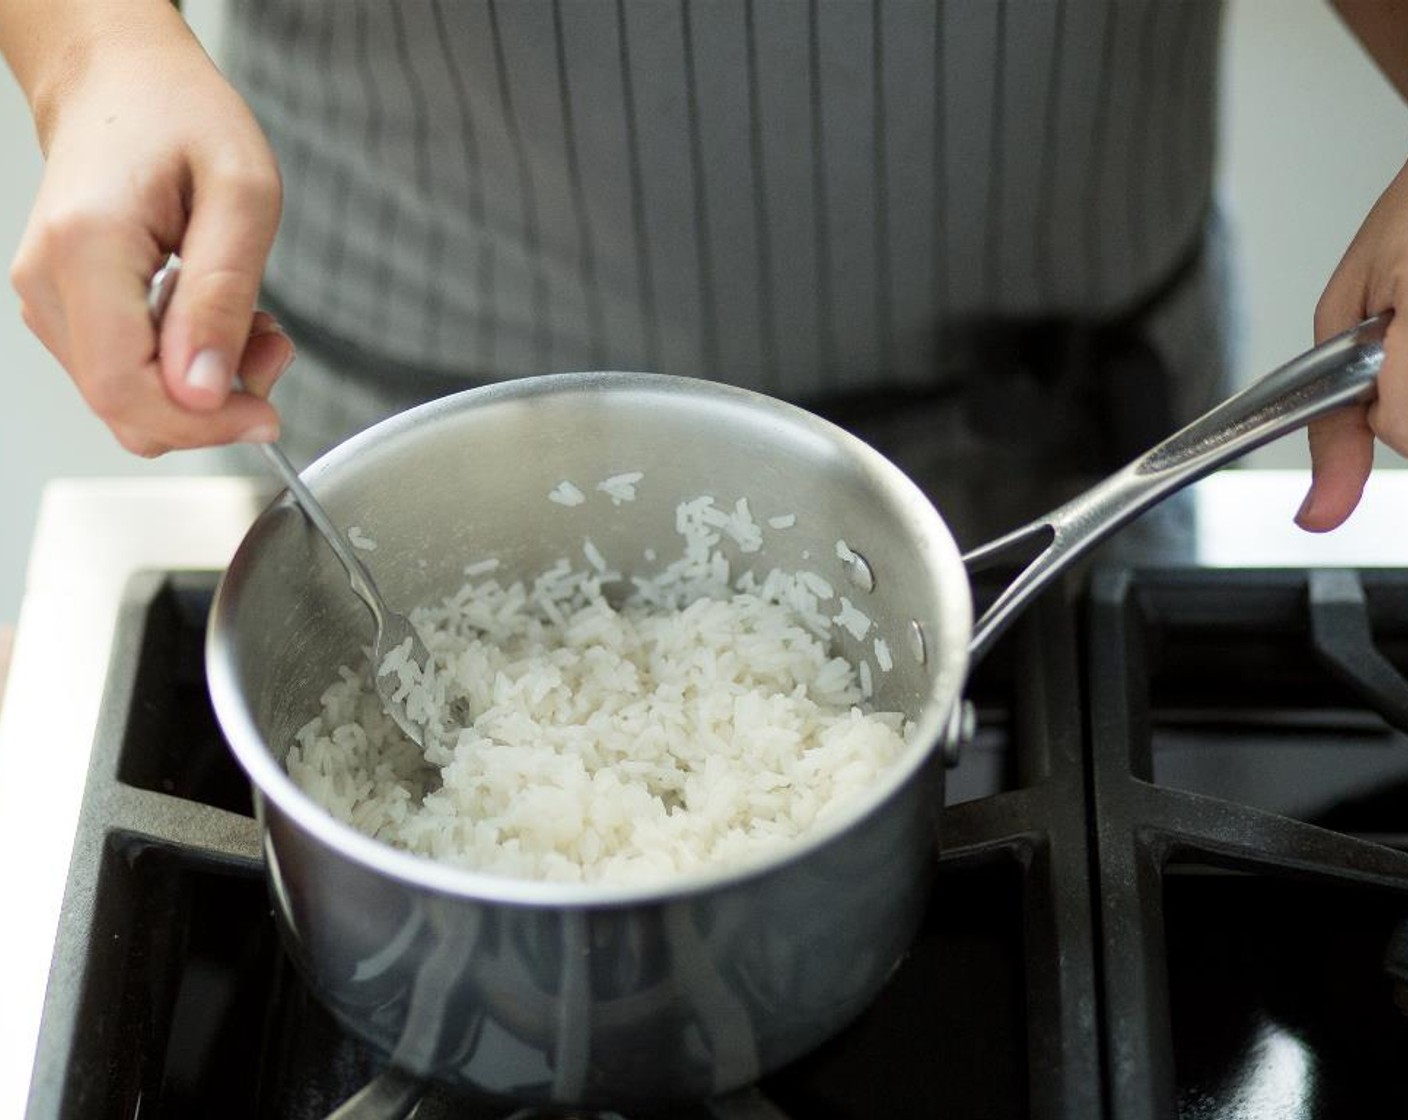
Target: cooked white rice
[(358, 539), (621, 487), (852, 618), (702, 722), (565, 493)]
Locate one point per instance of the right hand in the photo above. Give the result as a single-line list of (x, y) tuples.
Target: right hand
[(1371, 278), (149, 150)]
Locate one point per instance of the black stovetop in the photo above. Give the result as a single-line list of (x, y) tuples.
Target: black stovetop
[(1174, 863)]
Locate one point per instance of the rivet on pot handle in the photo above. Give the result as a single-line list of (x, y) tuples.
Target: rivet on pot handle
[(1339, 372)]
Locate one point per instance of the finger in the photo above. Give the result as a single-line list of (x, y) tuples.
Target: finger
[(35, 282), (1341, 456), (161, 425), (101, 285), (263, 323), (267, 354), (83, 284), (46, 324), (234, 213), (166, 426), (1342, 304), (114, 363), (1342, 444)]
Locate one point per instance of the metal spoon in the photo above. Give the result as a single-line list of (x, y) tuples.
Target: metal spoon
[(392, 629)]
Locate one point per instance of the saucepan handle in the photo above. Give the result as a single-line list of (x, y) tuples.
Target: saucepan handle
[(1341, 371)]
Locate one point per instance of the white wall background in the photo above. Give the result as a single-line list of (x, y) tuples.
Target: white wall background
[(1312, 135)]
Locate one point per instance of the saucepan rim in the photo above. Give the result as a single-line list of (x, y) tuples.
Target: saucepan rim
[(271, 781)]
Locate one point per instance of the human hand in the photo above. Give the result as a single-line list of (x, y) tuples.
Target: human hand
[(148, 150), (1371, 278)]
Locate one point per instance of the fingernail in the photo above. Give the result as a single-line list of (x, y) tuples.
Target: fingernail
[(270, 326), (260, 433), (283, 369), (208, 370)]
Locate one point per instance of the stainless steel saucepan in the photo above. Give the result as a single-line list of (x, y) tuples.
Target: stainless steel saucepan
[(610, 995)]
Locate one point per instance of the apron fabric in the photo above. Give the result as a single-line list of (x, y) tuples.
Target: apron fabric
[(838, 202)]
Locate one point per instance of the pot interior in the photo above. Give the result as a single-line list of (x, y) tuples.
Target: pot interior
[(469, 478)]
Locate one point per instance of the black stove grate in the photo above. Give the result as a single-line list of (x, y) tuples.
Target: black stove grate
[(1172, 866), (1242, 949)]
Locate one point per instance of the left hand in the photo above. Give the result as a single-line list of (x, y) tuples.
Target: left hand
[(1372, 277)]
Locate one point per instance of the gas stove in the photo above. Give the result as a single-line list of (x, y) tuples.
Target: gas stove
[(1173, 878)]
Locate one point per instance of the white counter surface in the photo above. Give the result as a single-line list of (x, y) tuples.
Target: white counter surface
[(93, 535)]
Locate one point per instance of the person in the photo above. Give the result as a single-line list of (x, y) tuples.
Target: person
[(982, 235)]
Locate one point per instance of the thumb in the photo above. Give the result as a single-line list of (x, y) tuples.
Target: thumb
[(1342, 443), (1341, 457), (234, 213)]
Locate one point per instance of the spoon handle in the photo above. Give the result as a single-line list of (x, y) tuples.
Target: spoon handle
[(163, 284), (357, 574)]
